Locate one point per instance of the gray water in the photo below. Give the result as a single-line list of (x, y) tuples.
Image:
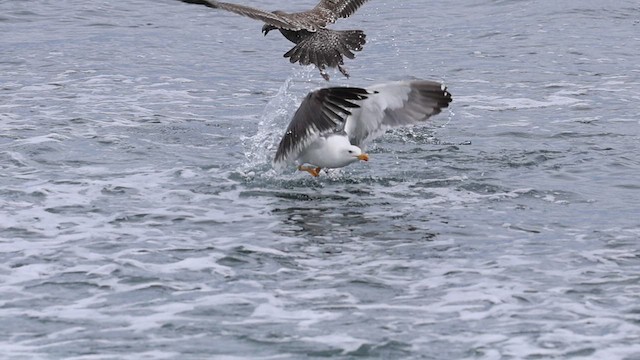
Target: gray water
[(141, 218)]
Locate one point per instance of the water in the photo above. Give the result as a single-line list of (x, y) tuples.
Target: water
[(141, 218)]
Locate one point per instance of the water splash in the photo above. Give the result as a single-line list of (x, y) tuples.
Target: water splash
[(260, 148)]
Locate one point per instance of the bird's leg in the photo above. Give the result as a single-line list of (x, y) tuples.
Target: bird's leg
[(323, 73), (315, 172), (343, 71)]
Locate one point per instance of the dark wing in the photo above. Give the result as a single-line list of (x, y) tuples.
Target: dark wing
[(328, 11), (278, 19), (395, 104), (322, 111)]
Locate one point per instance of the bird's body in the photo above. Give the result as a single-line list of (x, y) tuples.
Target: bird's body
[(315, 44), (331, 126), (331, 151)]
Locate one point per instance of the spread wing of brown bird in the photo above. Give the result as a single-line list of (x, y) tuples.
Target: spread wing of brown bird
[(315, 44)]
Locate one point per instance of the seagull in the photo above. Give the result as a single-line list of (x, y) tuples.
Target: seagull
[(331, 125), (315, 44)]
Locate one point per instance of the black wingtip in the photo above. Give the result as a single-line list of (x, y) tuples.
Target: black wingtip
[(201, 2)]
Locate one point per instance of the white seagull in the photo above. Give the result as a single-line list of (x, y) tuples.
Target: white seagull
[(331, 125)]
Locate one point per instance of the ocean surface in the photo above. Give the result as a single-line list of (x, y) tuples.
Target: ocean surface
[(140, 216)]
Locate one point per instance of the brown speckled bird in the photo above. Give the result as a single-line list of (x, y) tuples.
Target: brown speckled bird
[(315, 44)]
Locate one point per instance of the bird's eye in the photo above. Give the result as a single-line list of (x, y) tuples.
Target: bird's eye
[(350, 151)]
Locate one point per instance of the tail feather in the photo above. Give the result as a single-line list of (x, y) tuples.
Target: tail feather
[(327, 48), (344, 50), (313, 57), (294, 54), (354, 39), (305, 58), (336, 59)]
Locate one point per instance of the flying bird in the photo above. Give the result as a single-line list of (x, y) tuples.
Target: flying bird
[(331, 125), (315, 44)]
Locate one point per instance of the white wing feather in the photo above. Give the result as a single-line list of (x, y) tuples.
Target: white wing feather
[(396, 104)]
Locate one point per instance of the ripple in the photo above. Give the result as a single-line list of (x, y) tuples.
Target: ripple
[(141, 217)]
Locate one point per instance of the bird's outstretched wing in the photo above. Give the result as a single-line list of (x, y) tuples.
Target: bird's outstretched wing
[(322, 111), (395, 104), (278, 19), (328, 11)]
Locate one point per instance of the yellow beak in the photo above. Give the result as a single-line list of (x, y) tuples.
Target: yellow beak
[(363, 157)]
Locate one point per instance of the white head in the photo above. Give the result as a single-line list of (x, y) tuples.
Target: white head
[(354, 153), (343, 153)]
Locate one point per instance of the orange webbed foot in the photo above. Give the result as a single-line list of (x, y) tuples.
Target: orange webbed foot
[(315, 172)]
